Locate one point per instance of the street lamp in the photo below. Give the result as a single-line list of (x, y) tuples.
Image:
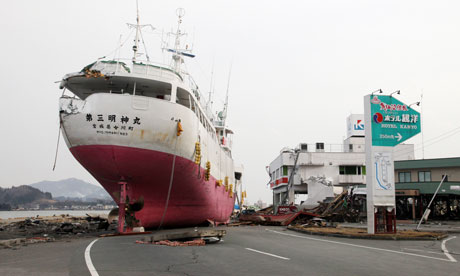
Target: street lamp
[(378, 90), (396, 92)]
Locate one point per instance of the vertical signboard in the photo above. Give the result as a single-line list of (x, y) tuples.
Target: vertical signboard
[(355, 125), (388, 123)]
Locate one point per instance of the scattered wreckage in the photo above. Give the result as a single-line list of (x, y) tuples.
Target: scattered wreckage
[(15, 232), (343, 207)]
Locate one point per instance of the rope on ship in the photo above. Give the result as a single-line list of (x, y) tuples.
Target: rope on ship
[(178, 133), (57, 145)]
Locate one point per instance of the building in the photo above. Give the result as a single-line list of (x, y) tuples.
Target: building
[(311, 172), (416, 183)]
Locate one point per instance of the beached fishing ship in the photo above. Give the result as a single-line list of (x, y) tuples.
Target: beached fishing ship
[(144, 131)]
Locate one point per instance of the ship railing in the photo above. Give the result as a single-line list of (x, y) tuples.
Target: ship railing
[(199, 97), (141, 67)]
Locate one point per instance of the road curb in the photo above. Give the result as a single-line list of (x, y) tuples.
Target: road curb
[(449, 231), (370, 237), (434, 230)]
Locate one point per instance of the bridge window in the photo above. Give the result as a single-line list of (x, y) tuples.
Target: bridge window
[(183, 97)]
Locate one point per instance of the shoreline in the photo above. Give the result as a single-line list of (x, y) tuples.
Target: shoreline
[(6, 215)]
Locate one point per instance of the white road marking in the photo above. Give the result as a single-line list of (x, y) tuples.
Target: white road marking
[(88, 261), (426, 251), (273, 255), (361, 246), (444, 249)]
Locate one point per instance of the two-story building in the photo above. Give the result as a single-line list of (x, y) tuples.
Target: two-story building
[(418, 180)]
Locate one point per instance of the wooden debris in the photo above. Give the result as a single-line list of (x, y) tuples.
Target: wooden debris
[(195, 242), (188, 235)]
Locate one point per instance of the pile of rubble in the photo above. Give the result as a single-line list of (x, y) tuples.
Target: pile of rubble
[(344, 207), (15, 232), (341, 209)]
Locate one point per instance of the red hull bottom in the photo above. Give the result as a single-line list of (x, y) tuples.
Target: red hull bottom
[(192, 200)]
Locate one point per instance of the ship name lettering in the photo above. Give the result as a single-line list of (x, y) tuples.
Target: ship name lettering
[(124, 119), (112, 118)]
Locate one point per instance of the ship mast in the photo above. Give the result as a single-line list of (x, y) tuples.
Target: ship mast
[(138, 33), (223, 113), (177, 56), (211, 89), (138, 28), (177, 51)]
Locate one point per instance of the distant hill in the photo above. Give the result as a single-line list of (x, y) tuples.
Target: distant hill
[(22, 195), (72, 188)]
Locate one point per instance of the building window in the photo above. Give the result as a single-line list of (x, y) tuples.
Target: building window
[(446, 179), (424, 176), (285, 170), (404, 177), (319, 146), (352, 170)]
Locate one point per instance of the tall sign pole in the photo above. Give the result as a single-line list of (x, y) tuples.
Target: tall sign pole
[(388, 122)]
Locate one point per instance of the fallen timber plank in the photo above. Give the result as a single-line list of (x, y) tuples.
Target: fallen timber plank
[(188, 235)]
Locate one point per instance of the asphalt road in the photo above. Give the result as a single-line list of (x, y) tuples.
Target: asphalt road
[(256, 250)]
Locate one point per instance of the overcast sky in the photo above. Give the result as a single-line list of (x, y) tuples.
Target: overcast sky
[(299, 69)]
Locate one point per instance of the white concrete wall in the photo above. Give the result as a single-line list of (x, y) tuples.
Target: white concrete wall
[(317, 192)]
